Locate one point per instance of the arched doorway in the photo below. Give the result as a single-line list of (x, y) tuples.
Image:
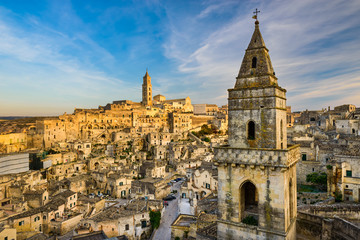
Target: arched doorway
[(249, 200)]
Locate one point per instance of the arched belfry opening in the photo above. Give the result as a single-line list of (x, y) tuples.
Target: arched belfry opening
[(253, 63), (251, 130), (249, 200)]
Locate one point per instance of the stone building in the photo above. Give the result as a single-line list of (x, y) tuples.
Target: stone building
[(206, 109), (257, 170), (180, 122), (152, 188), (131, 220), (13, 142)]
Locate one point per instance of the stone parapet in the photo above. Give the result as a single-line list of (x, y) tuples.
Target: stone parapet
[(258, 156)]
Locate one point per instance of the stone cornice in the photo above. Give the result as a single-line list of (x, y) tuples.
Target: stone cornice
[(265, 157)]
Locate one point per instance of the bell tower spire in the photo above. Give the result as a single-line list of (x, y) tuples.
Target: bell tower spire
[(258, 100), (257, 170), (147, 90), (256, 68)]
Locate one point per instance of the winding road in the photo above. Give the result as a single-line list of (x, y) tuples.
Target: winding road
[(170, 214)]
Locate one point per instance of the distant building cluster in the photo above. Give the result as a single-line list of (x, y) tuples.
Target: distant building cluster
[(98, 172)]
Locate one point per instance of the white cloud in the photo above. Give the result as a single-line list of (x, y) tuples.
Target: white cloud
[(312, 46)]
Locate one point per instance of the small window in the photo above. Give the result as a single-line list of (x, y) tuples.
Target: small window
[(126, 227), (143, 224), (254, 61), (303, 156), (121, 183), (251, 130), (348, 173)]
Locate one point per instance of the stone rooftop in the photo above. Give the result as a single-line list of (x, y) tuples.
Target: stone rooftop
[(64, 194), (184, 220), (134, 207)]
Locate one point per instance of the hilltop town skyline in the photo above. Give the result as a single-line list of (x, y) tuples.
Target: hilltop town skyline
[(164, 167), (56, 56)]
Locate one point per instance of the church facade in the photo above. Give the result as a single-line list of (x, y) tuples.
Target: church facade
[(257, 170)]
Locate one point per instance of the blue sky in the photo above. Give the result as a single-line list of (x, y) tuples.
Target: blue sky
[(56, 55)]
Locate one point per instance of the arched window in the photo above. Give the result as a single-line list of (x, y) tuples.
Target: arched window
[(253, 64), (251, 130)]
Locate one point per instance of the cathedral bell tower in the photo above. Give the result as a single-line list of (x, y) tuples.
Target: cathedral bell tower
[(146, 90), (257, 170)]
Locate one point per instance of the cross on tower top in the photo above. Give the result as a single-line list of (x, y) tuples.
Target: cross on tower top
[(256, 13)]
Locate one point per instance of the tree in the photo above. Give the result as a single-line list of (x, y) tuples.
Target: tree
[(317, 178), (155, 217), (206, 139)]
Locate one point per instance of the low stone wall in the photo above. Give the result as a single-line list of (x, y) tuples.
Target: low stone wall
[(343, 229), (63, 227), (341, 210), (312, 226), (314, 198), (309, 225), (207, 233), (197, 121)]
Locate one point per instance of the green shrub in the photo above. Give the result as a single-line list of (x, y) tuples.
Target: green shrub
[(250, 220), (329, 167), (338, 197), (155, 217)]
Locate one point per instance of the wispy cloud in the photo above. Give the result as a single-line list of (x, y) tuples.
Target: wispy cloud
[(49, 66), (313, 45)]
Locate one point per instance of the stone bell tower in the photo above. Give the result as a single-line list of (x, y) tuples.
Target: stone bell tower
[(146, 90), (257, 170)]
